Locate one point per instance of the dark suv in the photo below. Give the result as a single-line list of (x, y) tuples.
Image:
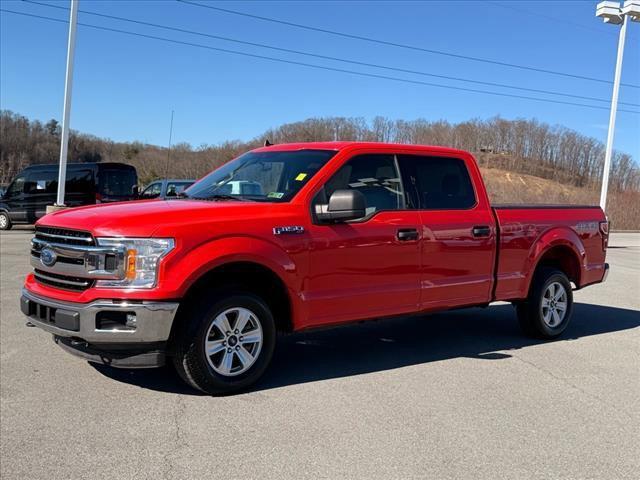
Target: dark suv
[(27, 197)]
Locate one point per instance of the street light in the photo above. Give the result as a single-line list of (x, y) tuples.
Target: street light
[(611, 12), (66, 111)]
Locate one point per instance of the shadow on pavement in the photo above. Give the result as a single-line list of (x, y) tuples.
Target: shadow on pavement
[(485, 334)]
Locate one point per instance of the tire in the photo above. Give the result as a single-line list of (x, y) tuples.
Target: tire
[(541, 315), (5, 221), (237, 361)]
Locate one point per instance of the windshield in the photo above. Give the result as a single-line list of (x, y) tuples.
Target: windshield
[(261, 176)]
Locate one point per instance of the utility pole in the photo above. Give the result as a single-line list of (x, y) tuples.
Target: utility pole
[(612, 12), (612, 116), (64, 143)]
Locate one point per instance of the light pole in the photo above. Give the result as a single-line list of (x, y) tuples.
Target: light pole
[(612, 13), (64, 142)]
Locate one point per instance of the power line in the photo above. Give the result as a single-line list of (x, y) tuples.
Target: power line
[(401, 45), (318, 67), (338, 59), (548, 17)]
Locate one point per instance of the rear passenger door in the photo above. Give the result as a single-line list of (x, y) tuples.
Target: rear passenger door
[(457, 234)]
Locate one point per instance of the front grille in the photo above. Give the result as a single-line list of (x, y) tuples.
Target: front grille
[(64, 236), (62, 281), (72, 261)]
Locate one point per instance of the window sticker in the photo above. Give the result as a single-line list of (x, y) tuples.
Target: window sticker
[(275, 195), (301, 177)]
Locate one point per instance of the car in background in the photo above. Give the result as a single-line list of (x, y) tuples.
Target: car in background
[(240, 187), (166, 188), (27, 196)]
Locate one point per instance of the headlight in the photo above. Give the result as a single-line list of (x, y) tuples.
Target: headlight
[(141, 260)]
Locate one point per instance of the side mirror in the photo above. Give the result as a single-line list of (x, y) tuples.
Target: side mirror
[(344, 205), (135, 191)]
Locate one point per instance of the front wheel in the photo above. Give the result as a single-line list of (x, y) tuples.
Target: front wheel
[(547, 310), (5, 221), (227, 343)]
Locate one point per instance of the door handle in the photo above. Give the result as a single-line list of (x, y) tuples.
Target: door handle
[(407, 234), (481, 231)]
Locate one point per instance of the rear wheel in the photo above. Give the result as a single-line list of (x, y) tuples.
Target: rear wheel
[(227, 343), (5, 221), (547, 310)]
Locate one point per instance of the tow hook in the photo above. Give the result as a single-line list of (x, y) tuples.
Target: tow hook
[(77, 342), (29, 324)]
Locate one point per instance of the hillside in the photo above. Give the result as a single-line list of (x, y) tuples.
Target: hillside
[(523, 160), (512, 187)]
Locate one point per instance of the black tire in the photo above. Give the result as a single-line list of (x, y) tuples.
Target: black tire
[(190, 360), (530, 312), (5, 221)]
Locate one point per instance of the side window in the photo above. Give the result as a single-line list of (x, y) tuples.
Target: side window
[(152, 191), (375, 176), (437, 183), (79, 181), (16, 187), (175, 188), (41, 181)]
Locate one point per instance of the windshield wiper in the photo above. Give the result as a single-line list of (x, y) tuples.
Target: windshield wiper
[(220, 196)]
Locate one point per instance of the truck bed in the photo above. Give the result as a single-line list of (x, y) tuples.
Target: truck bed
[(572, 232)]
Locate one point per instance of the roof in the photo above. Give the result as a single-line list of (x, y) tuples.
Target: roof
[(337, 146), (77, 165)]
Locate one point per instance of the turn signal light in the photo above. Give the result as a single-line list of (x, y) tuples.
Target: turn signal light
[(130, 272)]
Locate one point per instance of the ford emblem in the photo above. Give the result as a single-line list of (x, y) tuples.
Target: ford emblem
[(48, 257)]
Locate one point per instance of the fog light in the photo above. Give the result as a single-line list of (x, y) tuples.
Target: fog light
[(131, 320)]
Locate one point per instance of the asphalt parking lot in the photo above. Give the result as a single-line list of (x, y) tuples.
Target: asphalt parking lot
[(454, 395)]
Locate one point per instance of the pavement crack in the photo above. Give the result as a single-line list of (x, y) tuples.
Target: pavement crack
[(597, 399), (178, 439)]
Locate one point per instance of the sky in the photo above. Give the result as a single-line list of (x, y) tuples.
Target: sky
[(125, 87)]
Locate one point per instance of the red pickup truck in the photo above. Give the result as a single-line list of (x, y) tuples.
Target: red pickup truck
[(299, 236)]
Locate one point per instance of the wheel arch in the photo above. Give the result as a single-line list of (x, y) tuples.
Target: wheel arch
[(240, 275), (561, 249)]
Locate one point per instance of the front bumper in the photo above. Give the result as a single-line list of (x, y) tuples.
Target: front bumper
[(86, 329)]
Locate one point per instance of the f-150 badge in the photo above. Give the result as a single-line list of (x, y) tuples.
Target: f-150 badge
[(294, 229)]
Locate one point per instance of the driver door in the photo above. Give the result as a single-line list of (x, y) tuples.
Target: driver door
[(369, 267), (15, 199)]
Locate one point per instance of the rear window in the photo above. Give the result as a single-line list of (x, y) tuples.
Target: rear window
[(437, 183), (117, 182)]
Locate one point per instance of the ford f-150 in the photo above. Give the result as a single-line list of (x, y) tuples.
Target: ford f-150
[(330, 233)]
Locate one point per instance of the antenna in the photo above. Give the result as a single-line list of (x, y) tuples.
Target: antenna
[(166, 168), (267, 143)]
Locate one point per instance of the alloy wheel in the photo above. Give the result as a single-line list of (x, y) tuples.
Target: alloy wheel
[(233, 341), (554, 304)]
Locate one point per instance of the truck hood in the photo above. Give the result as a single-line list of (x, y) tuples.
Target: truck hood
[(143, 218)]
